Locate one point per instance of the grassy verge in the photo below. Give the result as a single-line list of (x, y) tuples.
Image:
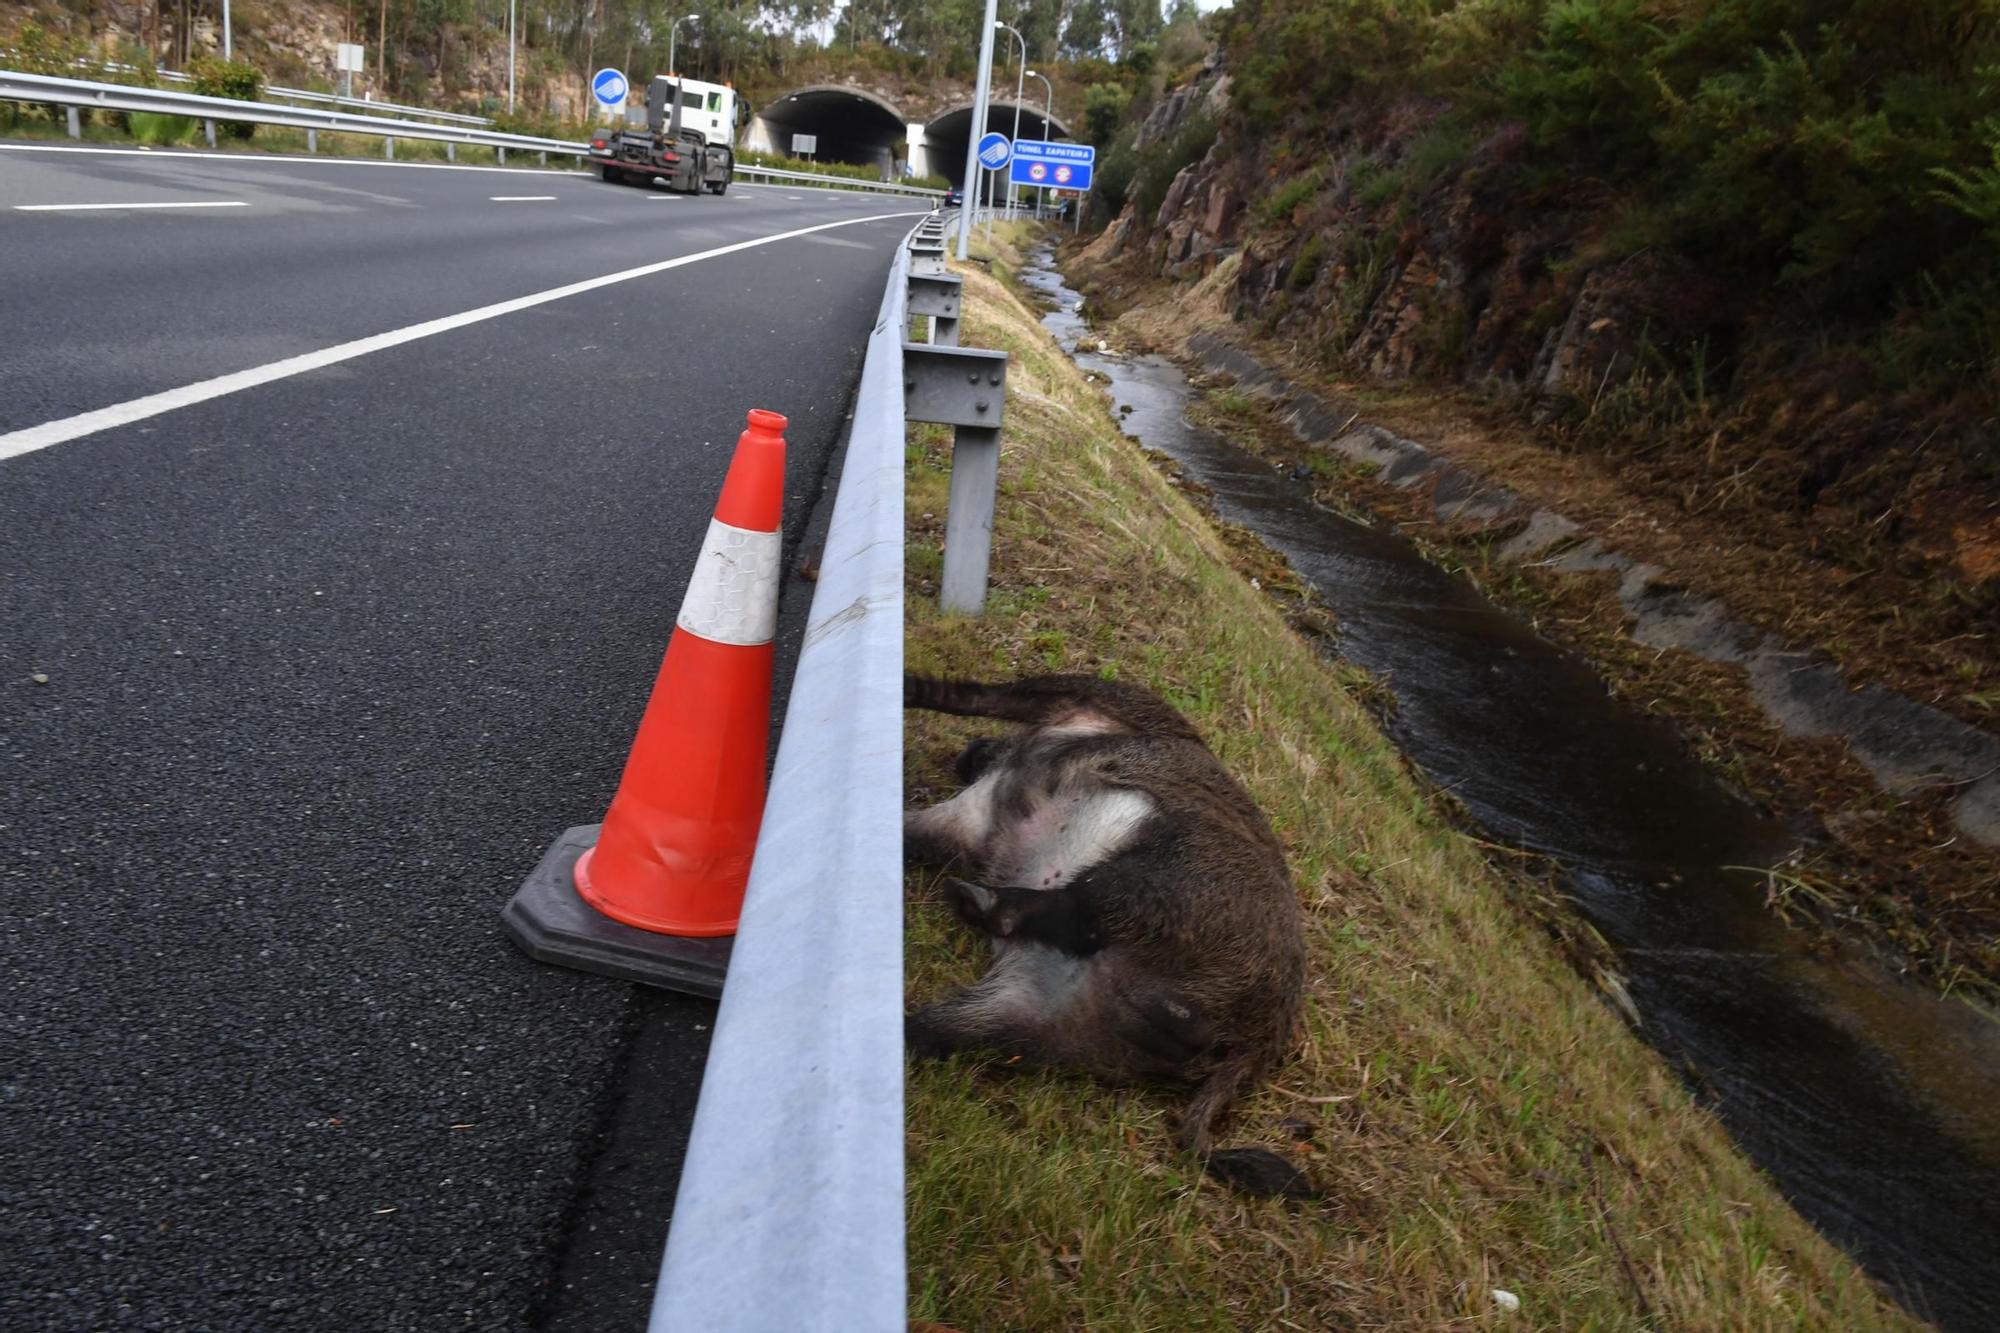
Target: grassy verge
[(1478, 1116)]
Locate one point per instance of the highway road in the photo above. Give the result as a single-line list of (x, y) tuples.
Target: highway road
[(343, 517)]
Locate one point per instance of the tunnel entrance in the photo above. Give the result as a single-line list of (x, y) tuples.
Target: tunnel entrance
[(850, 125), (946, 137)]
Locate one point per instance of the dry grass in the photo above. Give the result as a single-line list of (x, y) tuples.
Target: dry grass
[(1478, 1116)]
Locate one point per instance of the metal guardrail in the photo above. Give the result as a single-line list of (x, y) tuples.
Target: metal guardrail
[(827, 181), (790, 1212), (358, 103), (289, 94), (79, 93), (19, 87)]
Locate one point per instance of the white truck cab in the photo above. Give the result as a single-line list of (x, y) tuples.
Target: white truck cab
[(707, 108)]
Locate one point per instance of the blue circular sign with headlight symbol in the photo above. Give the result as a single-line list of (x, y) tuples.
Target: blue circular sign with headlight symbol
[(994, 150), (609, 87)]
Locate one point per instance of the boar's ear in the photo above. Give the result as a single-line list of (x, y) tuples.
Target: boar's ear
[(976, 758)]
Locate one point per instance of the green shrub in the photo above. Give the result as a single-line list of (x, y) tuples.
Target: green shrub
[(1166, 159), (1281, 202), (1373, 183), (1306, 267), (1444, 148), (233, 79), (1843, 151), (39, 51), (1115, 172), (1103, 111), (152, 127)]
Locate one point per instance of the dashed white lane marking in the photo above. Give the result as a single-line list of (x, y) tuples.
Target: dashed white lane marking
[(31, 438), (293, 161), (796, 198), (94, 208), (520, 198)]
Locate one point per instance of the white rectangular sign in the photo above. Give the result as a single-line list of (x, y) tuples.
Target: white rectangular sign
[(805, 143), (349, 58)]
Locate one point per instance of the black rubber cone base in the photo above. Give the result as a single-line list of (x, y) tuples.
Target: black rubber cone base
[(553, 924)]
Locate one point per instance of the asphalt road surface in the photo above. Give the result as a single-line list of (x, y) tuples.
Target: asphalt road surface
[(305, 656)]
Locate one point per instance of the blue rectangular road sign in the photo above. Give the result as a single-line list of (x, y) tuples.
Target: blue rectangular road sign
[(1059, 166)]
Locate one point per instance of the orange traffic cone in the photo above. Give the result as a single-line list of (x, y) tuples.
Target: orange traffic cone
[(674, 853)]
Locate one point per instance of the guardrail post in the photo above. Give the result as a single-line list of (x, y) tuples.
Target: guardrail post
[(389, 148), (208, 129), (451, 152), (503, 155), (964, 388), (312, 141), (75, 123), (927, 256), (939, 296), (545, 159)]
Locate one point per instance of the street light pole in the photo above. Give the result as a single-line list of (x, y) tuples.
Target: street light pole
[(673, 42), (510, 57), (1048, 124), (228, 51), (1020, 81), (978, 126)]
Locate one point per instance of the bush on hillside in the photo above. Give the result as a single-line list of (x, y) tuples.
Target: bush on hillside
[(1115, 169), (1842, 149), (234, 79), (1166, 159), (1104, 109)]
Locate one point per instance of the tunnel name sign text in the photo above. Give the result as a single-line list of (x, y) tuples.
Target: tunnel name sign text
[(1060, 166)]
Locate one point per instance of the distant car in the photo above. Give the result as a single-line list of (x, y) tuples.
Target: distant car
[(953, 199)]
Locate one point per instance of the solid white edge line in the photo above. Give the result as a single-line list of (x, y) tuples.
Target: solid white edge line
[(519, 198), (32, 438), (295, 161), (89, 208)]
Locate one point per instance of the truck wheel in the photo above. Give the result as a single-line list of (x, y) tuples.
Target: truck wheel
[(612, 175), (720, 187)]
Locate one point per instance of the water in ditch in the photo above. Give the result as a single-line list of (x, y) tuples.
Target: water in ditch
[(1873, 1103)]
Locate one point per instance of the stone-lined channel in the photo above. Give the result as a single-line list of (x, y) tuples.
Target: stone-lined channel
[(1873, 1103)]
